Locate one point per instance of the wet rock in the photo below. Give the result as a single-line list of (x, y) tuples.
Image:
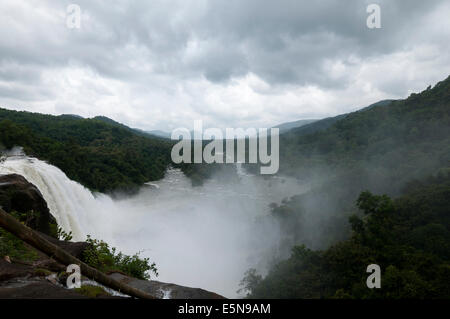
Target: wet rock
[(166, 290), (37, 289), (49, 264), (9, 270), (76, 249), (17, 194)]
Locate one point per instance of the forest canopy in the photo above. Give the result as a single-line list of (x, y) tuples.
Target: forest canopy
[(102, 156)]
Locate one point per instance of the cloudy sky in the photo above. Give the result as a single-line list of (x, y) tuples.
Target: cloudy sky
[(161, 64)]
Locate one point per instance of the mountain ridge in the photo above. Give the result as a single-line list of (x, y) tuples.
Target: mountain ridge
[(100, 153)]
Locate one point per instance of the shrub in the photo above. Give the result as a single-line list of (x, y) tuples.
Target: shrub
[(104, 258)]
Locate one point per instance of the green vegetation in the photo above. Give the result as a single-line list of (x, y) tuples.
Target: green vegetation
[(391, 148), (62, 235), (91, 291), (396, 140), (99, 255), (104, 156), (199, 173), (15, 248), (408, 237), (380, 148)]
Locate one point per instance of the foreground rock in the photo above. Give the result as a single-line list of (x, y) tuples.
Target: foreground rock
[(9, 271), (28, 281), (17, 194), (43, 279), (33, 281), (29, 288), (165, 290), (76, 249)]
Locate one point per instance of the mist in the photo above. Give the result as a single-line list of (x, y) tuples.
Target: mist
[(203, 237), (207, 236)]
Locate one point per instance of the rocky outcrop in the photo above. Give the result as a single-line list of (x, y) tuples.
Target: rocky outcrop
[(17, 194), (76, 249), (9, 270), (37, 289), (166, 290), (32, 281)]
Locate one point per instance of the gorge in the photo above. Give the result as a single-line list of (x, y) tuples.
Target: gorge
[(204, 236)]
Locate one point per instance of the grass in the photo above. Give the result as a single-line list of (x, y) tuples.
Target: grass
[(13, 247)]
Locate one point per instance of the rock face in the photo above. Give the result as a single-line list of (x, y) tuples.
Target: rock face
[(9, 270), (28, 281), (76, 249), (165, 290), (38, 289), (17, 194)]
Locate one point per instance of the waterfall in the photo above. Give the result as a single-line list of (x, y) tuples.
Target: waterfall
[(73, 206), (198, 236)]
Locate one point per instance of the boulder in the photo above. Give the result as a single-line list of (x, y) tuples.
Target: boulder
[(9, 270), (17, 194), (165, 290), (76, 249), (40, 289)]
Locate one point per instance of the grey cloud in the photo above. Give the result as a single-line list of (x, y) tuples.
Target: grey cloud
[(287, 41), (159, 45), (284, 41), (26, 94)]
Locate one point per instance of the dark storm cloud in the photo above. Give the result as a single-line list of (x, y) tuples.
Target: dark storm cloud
[(280, 41), (287, 41)]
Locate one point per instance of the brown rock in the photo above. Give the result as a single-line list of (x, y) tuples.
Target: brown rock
[(9, 270), (161, 289), (74, 248), (17, 194), (39, 290)]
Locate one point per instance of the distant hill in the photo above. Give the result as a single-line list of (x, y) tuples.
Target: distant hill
[(380, 148), (319, 125), (100, 153), (70, 116), (169, 135), (284, 127), (134, 130), (377, 133), (338, 227), (159, 133)]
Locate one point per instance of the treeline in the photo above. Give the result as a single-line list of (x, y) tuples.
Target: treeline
[(409, 238), (102, 156), (380, 149), (399, 139)]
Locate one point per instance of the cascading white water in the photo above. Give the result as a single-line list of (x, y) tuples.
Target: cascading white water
[(71, 204), (203, 237)]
